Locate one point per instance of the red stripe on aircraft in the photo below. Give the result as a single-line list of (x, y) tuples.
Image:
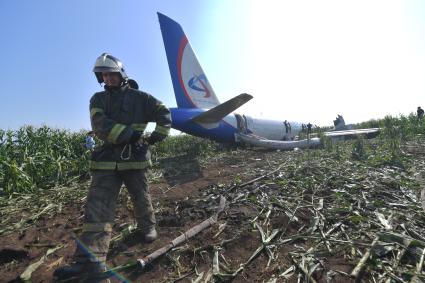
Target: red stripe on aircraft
[(182, 46)]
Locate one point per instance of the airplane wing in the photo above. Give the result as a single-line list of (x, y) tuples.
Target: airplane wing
[(306, 143), (211, 118), (276, 144), (371, 132)]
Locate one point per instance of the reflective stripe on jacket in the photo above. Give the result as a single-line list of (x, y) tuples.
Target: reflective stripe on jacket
[(115, 114)]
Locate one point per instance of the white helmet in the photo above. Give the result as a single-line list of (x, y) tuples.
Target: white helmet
[(110, 64)]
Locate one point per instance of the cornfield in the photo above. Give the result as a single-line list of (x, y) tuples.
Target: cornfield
[(39, 158), (33, 159)]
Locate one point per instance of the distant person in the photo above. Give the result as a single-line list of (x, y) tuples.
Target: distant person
[(90, 143), (286, 126), (420, 113), (309, 125), (302, 127)]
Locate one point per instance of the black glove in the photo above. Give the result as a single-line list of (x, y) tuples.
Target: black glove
[(154, 138), (135, 136)]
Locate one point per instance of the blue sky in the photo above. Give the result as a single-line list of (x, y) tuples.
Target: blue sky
[(301, 60)]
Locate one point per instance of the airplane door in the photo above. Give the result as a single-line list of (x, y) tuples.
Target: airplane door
[(241, 123), (249, 123)]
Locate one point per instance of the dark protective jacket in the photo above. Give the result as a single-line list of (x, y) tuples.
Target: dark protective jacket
[(115, 114)]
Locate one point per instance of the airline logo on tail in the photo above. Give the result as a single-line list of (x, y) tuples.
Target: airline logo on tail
[(199, 83)]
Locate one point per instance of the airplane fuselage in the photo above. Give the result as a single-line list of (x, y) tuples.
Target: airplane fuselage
[(226, 129)]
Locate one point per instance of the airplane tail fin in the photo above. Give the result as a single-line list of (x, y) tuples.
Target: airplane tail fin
[(191, 86)]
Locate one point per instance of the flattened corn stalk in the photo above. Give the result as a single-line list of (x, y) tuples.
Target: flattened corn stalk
[(303, 269), (265, 242), (230, 190), (356, 273), (143, 262)]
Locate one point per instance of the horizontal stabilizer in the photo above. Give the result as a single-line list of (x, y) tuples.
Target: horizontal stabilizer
[(211, 118)]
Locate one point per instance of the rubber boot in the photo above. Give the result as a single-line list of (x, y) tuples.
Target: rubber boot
[(150, 234), (80, 272)]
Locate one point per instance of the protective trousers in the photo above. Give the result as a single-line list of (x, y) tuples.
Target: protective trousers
[(93, 244)]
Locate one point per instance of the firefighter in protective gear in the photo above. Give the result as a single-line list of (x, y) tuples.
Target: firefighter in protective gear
[(119, 116)]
